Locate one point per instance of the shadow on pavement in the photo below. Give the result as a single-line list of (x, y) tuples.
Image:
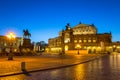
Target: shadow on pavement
[(25, 72)]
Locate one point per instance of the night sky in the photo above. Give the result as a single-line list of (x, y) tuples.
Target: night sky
[(45, 18)]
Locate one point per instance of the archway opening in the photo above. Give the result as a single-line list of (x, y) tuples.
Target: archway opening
[(66, 47)]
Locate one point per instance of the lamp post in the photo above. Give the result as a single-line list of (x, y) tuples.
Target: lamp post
[(114, 48), (78, 47), (11, 36)]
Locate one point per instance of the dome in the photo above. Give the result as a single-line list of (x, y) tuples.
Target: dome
[(84, 29)]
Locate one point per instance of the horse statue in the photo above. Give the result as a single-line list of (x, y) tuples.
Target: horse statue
[(26, 34)]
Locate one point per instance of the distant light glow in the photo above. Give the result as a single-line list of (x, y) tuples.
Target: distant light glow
[(11, 35), (78, 46)]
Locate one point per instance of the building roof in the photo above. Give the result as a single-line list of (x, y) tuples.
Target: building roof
[(84, 29), (84, 25)]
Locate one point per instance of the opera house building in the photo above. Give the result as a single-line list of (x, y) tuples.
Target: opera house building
[(82, 39)]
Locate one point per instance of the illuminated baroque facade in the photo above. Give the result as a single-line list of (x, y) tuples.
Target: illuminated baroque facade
[(82, 38)]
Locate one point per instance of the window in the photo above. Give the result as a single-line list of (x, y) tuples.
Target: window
[(60, 42), (85, 40), (94, 40), (85, 47), (67, 40), (89, 40), (75, 41), (5, 44), (80, 41)]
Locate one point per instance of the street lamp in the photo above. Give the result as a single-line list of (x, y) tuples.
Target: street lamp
[(78, 47), (11, 36)]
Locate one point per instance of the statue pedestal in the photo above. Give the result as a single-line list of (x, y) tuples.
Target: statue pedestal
[(26, 44)]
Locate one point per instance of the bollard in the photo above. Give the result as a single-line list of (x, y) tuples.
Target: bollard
[(23, 66)]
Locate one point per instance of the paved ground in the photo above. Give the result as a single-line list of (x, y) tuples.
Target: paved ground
[(43, 62), (105, 68)]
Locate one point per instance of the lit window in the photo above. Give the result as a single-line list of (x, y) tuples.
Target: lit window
[(67, 40), (85, 40), (5, 44), (85, 47), (80, 41), (89, 40), (75, 41), (59, 42), (94, 40), (69, 28)]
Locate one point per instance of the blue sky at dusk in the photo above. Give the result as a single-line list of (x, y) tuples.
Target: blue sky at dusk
[(45, 18)]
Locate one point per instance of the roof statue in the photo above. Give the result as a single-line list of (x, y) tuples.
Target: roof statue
[(80, 22), (92, 25), (67, 26)]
